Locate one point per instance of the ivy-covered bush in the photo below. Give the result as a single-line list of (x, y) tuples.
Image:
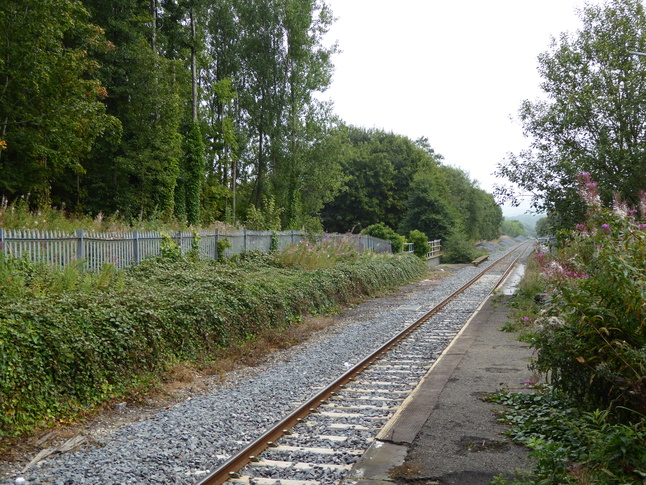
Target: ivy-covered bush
[(593, 330), (69, 342)]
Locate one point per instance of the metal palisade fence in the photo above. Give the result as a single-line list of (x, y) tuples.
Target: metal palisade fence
[(126, 249)]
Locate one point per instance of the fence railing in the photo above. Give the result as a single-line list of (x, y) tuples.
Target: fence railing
[(436, 248), (126, 249)]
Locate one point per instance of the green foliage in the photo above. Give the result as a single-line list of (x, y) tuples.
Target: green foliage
[(513, 228), (194, 253), (593, 335), (429, 207), (544, 227), (23, 279), (570, 446), (51, 108), (527, 302), (420, 243), (194, 164), (582, 308), (457, 248), (169, 249), (382, 231), (312, 254), (265, 219), (379, 168), (273, 245), (475, 212), (223, 244), (589, 116), (135, 170), (68, 344)]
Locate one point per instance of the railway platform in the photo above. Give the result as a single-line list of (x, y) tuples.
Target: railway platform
[(445, 433)]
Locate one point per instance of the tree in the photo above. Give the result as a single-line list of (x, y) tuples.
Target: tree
[(379, 169), (194, 174), (308, 69), (136, 173), (51, 108), (544, 227), (513, 228), (485, 215), (477, 215), (364, 198), (420, 243), (429, 208), (593, 118)]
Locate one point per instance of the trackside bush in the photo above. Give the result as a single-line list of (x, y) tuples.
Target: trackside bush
[(64, 352), (458, 249), (420, 243), (592, 336), (382, 231)]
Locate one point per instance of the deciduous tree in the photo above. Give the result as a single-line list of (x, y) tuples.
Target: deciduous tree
[(592, 118), (51, 106)]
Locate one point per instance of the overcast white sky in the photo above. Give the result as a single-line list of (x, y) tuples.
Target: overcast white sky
[(452, 71)]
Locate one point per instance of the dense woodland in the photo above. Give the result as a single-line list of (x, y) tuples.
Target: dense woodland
[(203, 111)]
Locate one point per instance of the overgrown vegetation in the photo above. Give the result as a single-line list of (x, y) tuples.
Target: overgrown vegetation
[(161, 111), (382, 231), (70, 340), (458, 249), (583, 308), (571, 446), (19, 215)]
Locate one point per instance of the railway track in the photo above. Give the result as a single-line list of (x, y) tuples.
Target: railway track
[(320, 440)]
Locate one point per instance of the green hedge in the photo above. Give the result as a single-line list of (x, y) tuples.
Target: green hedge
[(64, 352)]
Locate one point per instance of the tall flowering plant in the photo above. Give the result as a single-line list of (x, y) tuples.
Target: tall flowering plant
[(593, 339)]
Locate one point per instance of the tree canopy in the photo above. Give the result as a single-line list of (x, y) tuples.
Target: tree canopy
[(404, 184), (207, 110), (51, 108), (591, 118)]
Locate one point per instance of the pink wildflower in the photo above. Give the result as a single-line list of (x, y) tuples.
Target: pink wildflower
[(589, 190)]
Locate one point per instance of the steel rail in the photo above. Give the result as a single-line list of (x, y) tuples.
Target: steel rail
[(510, 267), (229, 469)]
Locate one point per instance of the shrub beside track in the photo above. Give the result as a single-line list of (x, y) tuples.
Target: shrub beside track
[(62, 352)]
